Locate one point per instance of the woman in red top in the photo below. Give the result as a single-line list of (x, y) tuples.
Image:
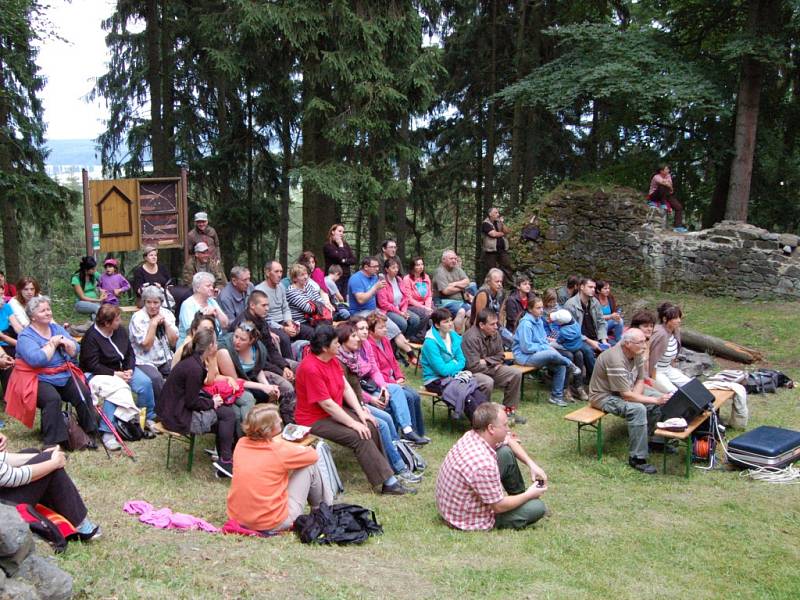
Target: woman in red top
[(381, 349), (272, 479), (327, 403)]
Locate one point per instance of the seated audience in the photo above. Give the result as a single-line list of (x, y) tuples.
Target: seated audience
[(389, 251), (586, 311), (8, 337), (202, 261), (517, 302), (85, 283), (153, 333), (568, 290), (564, 334), (305, 300), (480, 485), (8, 289), (646, 322), (612, 314), (485, 358), (273, 479), (242, 355), (418, 289), (453, 285), (182, 407), (315, 274), (665, 345), (337, 252), (327, 403), (106, 350), (533, 348), (280, 315), (385, 372), (201, 300), (199, 322), (339, 303), (443, 365), (33, 477), (112, 282), (43, 377), (233, 296), (617, 387), (27, 288), (393, 301), (151, 272), (376, 400), (492, 296)]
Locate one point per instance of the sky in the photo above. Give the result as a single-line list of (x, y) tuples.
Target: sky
[(70, 68)]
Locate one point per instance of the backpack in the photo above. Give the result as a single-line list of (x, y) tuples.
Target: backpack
[(338, 524), (47, 524), (761, 382), (76, 436), (130, 431), (327, 468), (412, 459), (781, 380)]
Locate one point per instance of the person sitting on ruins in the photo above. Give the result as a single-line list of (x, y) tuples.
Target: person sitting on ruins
[(662, 193), (232, 297), (203, 232), (203, 262)]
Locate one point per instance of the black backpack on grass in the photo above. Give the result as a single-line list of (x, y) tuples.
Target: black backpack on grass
[(766, 381), (338, 524)]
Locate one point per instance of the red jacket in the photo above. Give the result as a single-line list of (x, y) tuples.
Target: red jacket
[(410, 292), (384, 356), (23, 388), (385, 298)]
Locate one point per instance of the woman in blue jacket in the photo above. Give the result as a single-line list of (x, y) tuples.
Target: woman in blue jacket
[(531, 347)]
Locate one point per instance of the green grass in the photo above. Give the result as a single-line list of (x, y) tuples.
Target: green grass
[(612, 533)]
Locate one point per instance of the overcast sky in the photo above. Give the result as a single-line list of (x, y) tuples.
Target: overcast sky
[(71, 68)]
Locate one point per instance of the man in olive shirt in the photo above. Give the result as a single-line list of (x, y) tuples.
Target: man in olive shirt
[(453, 284), (483, 351), (617, 387)]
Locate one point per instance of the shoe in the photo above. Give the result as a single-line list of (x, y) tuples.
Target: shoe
[(111, 443), (412, 437), (568, 397), (680, 229), (88, 530), (412, 360), (576, 370), (580, 392), (664, 448), (406, 476), (396, 489), (640, 464), (223, 469), (212, 452), (557, 401), (152, 427), (518, 420)]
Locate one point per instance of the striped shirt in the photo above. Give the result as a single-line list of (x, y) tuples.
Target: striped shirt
[(613, 374), (11, 477), (301, 301), (669, 354)]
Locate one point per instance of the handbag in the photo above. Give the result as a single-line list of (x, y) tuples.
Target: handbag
[(531, 231), (76, 437)]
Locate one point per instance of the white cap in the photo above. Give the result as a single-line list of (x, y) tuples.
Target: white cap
[(200, 247), (561, 316), (201, 216)]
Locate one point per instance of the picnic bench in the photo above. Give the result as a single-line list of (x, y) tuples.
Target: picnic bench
[(526, 370)]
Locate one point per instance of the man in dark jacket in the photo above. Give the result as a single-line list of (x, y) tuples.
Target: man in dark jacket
[(483, 351)]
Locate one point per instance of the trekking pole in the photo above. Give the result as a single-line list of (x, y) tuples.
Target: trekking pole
[(103, 416)]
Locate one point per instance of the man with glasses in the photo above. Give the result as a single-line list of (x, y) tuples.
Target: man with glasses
[(480, 485), (617, 387), (483, 351), (389, 250)]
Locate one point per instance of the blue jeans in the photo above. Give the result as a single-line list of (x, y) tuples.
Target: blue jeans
[(406, 408), (588, 359), (388, 436), (407, 326), (85, 307), (615, 328), (557, 365)]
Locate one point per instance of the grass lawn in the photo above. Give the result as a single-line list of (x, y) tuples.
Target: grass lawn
[(612, 532)]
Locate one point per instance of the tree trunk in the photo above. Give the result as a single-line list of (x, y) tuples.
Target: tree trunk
[(286, 188), (249, 226), (518, 122), (491, 134), (154, 83), (9, 211), (718, 347), (404, 173), (747, 104), (168, 89)]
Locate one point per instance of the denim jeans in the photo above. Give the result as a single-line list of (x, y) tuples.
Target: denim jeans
[(588, 359), (557, 364), (407, 326), (615, 329), (85, 307), (388, 434)]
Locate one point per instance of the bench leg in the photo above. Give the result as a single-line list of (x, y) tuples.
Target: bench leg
[(688, 456), (169, 448), (579, 437), (190, 463), (599, 430)]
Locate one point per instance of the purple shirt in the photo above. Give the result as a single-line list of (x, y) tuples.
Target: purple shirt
[(109, 283)]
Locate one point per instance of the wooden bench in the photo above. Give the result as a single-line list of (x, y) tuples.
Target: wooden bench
[(417, 348), (526, 370), (437, 399), (190, 440), (129, 309), (684, 438), (592, 418)]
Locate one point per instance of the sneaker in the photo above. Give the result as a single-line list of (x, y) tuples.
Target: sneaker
[(212, 452), (517, 419), (680, 229), (88, 530), (406, 476), (568, 397), (223, 469), (412, 437), (396, 489), (111, 443), (576, 370), (152, 426), (557, 401), (640, 464)]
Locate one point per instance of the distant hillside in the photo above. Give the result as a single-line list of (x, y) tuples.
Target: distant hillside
[(79, 153)]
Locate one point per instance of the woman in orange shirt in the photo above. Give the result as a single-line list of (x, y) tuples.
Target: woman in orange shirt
[(272, 478)]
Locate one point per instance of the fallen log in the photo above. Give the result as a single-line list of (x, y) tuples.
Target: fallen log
[(719, 347)]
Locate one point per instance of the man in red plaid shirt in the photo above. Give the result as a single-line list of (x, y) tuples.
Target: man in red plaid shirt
[(480, 485)]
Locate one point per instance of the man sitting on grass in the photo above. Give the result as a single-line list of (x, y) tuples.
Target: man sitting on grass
[(480, 485), (617, 387)]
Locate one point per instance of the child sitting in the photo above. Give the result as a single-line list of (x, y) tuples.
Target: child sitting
[(112, 282), (342, 308)]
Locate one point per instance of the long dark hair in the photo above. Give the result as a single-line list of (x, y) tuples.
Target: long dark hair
[(87, 263)]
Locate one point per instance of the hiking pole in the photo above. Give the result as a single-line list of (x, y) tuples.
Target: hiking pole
[(103, 416)]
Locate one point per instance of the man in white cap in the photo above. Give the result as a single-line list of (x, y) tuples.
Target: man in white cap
[(201, 260), (203, 232)]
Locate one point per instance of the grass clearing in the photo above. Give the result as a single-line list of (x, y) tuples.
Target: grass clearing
[(612, 532)]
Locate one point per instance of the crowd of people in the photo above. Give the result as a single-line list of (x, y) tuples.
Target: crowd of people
[(326, 349)]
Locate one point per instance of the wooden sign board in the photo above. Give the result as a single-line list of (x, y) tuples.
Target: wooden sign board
[(133, 213)]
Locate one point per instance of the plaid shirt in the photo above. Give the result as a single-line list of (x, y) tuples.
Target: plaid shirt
[(469, 483)]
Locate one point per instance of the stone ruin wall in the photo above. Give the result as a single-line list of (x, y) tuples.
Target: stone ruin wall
[(614, 234)]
